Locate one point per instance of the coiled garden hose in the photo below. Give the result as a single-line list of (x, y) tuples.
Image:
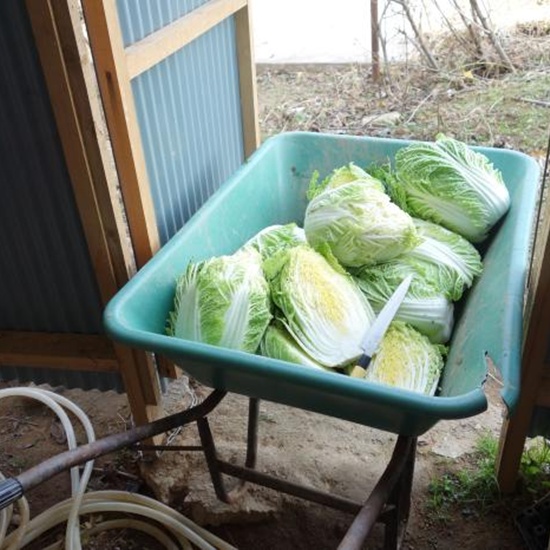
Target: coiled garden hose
[(171, 529)]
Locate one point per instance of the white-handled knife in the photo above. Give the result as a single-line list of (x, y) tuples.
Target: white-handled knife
[(376, 331)]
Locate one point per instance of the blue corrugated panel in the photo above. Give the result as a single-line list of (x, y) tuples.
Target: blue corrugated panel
[(47, 282), (188, 108), (138, 18), (189, 115)]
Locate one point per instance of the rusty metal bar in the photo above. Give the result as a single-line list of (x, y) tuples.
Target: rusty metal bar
[(399, 504), (294, 489), (212, 461), (168, 448), (252, 432), (64, 461), (363, 523)]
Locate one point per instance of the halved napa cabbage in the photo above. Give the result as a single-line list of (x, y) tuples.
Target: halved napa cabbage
[(407, 359), (223, 301), (321, 305)]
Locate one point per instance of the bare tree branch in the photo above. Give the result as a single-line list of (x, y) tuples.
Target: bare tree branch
[(470, 26), (492, 36), (450, 26), (418, 35)]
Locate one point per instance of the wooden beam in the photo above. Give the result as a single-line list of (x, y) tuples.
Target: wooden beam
[(541, 248), (137, 368), (152, 49), (247, 81), (83, 352), (89, 111), (110, 62), (543, 393)]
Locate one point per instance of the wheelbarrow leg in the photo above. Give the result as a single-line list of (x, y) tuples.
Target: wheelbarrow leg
[(252, 433), (399, 504), (397, 472), (211, 457), (212, 460)]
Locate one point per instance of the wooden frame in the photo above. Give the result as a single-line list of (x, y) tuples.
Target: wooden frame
[(116, 66), (54, 24), (75, 84)]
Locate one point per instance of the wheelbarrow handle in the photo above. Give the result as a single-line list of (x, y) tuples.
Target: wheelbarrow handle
[(10, 491)]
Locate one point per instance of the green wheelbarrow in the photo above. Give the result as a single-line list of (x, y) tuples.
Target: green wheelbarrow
[(270, 188)]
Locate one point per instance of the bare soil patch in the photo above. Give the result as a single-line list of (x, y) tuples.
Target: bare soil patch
[(322, 452)]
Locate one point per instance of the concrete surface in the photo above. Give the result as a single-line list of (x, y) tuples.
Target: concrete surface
[(322, 31)]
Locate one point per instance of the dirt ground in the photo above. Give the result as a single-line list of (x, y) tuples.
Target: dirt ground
[(308, 448), (332, 455)]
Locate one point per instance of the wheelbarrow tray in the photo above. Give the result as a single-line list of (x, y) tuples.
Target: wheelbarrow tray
[(270, 188)]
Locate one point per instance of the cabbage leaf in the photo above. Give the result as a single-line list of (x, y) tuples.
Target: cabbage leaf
[(425, 306), (273, 238), (277, 343), (340, 176), (446, 258)]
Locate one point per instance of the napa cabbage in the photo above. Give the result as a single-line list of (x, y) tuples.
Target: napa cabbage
[(277, 343), (449, 183), (360, 224), (320, 304), (223, 301), (446, 258), (425, 306), (406, 359), (273, 238)]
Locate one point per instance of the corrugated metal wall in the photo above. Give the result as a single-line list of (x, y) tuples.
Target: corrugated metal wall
[(47, 282), (188, 108)]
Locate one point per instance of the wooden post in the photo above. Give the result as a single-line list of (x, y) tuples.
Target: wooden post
[(71, 104), (247, 81), (118, 101)]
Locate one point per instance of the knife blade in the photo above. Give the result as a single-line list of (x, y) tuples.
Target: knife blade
[(376, 331)]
